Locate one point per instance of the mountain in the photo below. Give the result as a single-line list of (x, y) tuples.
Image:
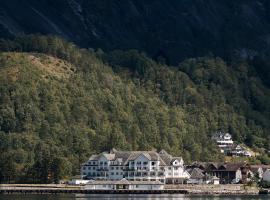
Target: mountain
[(174, 29), (59, 104), (78, 77)]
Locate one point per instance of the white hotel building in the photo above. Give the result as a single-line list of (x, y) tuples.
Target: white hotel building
[(135, 166)]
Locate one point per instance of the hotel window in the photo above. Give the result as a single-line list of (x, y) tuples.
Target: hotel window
[(89, 168), (169, 168), (83, 168), (112, 168), (176, 168), (145, 163), (101, 163), (116, 173), (139, 162), (89, 163), (112, 173), (153, 163), (105, 163), (117, 168), (94, 167)]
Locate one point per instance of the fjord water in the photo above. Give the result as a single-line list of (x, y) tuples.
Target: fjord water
[(131, 197)]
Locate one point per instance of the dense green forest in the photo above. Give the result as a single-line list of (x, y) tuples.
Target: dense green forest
[(59, 104)]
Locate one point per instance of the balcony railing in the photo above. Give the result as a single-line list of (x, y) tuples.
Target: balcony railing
[(103, 169)]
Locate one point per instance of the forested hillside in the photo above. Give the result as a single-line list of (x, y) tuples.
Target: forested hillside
[(59, 104)]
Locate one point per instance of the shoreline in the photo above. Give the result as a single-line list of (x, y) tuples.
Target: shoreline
[(169, 189)]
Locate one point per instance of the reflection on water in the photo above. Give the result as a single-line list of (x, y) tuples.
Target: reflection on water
[(130, 197), (170, 197)]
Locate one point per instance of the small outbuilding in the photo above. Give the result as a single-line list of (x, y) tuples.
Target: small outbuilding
[(76, 180), (124, 185), (196, 176), (266, 175), (215, 180)]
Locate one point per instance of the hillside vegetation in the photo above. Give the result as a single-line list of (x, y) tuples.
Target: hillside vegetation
[(59, 104)]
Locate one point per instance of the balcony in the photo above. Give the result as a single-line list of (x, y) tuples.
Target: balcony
[(103, 169)]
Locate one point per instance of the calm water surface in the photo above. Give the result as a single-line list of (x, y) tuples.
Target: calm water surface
[(128, 197)]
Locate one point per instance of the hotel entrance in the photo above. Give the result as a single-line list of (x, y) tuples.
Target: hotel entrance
[(122, 187)]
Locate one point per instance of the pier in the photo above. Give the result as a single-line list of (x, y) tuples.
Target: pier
[(169, 189), (37, 190)]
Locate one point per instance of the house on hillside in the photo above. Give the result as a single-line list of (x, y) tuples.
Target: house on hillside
[(223, 140), (135, 166), (238, 150), (227, 146)]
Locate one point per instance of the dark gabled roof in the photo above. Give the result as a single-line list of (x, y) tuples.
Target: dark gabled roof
[(197, 164), (255, 168), (233, 166), (214, 165), (225, 166), (196, 173)]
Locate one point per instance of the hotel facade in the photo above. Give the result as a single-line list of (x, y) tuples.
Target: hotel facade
[(135, 166)]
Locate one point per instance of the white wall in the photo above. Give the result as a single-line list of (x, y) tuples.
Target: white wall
[(238, 175), (146, 187), (266, 175), (78, 182)]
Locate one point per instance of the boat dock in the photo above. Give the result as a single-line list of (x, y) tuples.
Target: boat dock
[(84, 191), (169, 189)]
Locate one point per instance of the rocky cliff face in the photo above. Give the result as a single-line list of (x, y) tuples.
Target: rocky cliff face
[(175, 29)]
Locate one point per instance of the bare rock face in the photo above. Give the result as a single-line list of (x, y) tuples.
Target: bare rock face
[(175, 29)]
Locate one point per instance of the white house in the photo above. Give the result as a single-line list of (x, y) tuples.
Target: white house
[(266, 175), (135, 166), (238, 150), (223, 140)]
